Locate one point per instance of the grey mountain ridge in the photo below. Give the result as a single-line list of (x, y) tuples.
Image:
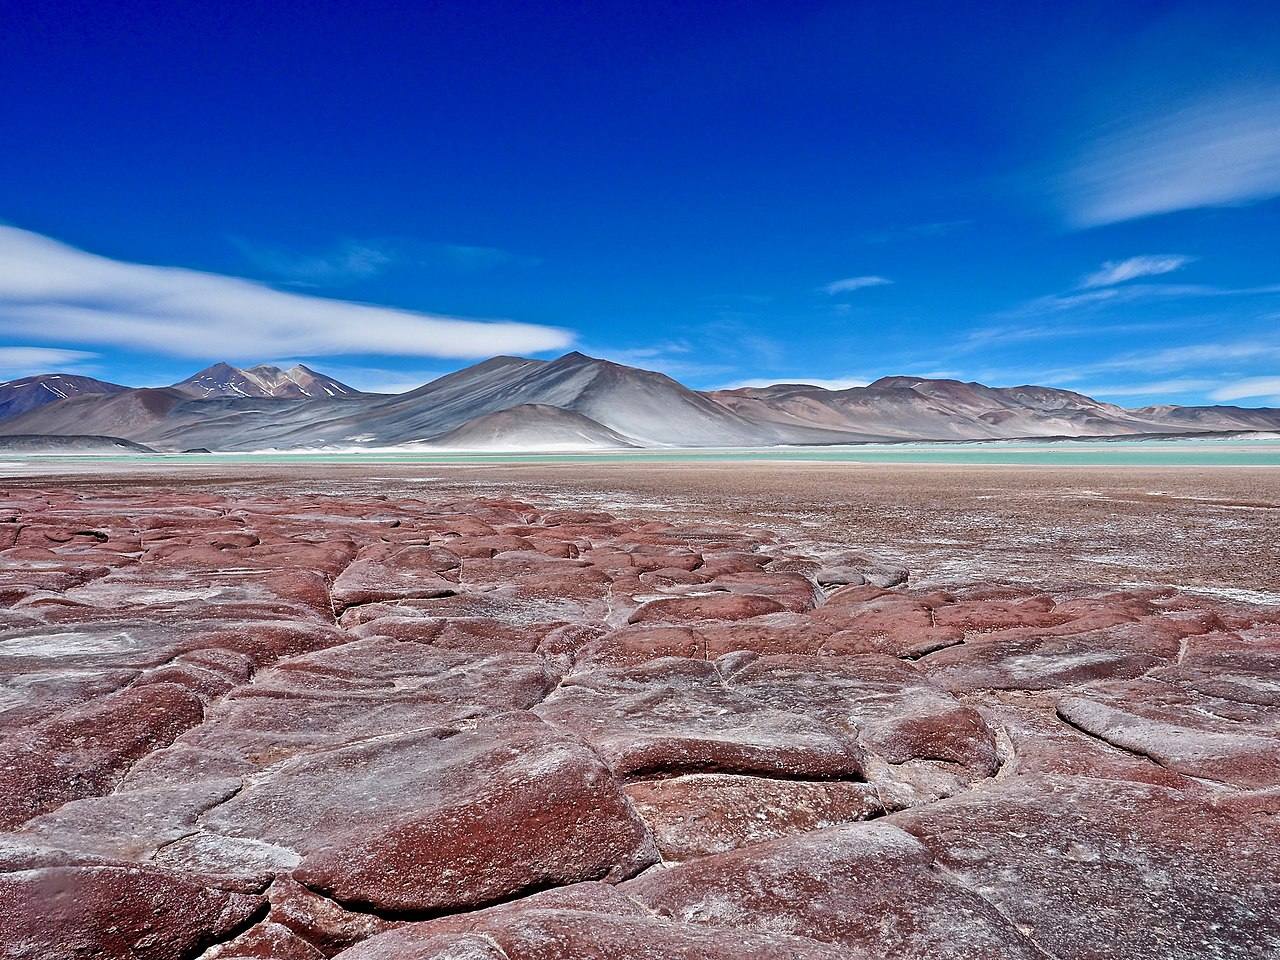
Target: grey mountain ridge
[(601, 404), (28, 393), (71, 444)]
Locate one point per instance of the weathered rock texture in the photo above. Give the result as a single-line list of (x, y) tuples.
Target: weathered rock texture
[(283, 724)]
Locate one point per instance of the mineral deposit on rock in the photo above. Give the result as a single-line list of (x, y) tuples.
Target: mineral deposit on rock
[(275, 722)]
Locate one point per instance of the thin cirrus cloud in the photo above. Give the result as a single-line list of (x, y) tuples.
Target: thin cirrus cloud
[(1158, 388), (996, 336), (56, 292), (1120, 271), (1219, 354), (850, 284), (1218, 151), (1122, 294), (1184, 369), (1249, 387), (25, 361), (351, 261)]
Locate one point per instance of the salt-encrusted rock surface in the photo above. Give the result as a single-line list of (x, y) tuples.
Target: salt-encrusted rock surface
[(285, 724)]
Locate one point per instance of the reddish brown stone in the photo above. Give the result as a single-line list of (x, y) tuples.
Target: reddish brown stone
[(669, 577), (474, 634), (868, 887), (407, 573), (647, 557), (639, 644), (781, 633), (587, 921), (795, 592), (714, 606), (1041, 743), (1025, 658), (388, 823), (1224, 741), (82, 753), (696, 815), (320, 921), (1072, 861), (266, 940), (181, 699), (365, 689), (895, 710), (716, 564), (677, 715), (115, 911)]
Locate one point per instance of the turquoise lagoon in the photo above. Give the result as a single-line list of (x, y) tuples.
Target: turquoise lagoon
[(1251, 452)]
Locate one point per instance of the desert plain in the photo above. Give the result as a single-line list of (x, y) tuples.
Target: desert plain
[(731, 710)]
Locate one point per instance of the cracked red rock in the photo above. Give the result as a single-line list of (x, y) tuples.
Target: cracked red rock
[(425, 821), (252, 721), (116, 911)]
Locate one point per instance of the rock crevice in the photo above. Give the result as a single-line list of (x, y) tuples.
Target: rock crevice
[(297, 725)]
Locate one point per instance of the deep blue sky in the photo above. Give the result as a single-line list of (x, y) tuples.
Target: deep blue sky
[(1080, 194)]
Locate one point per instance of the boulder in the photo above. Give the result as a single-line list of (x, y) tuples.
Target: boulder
[(1075, 861), (676, 715), (445, 819), (67, 913), (868, 887), (711, 606)]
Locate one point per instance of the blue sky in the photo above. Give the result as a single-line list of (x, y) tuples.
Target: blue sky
[(1082, 195)]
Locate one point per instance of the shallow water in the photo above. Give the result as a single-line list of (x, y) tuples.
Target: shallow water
[(1093, 453)]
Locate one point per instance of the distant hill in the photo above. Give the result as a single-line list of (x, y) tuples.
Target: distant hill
[(650, 408), (128, 414), (576, 400), (19, 396), (35, 444), (915, 408), (532, 426)]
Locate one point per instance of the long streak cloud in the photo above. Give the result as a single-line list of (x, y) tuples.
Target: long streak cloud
[(54, 292)]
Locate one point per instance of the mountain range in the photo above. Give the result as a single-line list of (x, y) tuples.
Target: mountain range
[(19, 396), (296, 383), (572, 402)]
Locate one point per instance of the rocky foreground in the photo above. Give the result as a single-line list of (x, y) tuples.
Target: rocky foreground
[(302, 726)]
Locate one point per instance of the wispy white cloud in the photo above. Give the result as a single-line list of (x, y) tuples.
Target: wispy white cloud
[(56, 292), (1002, 335), (353, 260), (1118, 271), (837, 383), (1206, 362), (1217, 151), (1158, 388), (471, 257), (349, 260), (18, 362), (1189, 355), (634, 356), (1098, 299), (675, 358), (1187, 368), (1250, 387), (849, 284)]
